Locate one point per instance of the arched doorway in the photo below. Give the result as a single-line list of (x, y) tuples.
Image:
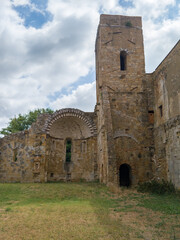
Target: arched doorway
[(125, 175)]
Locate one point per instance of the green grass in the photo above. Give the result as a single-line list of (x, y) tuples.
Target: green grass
[(168, 204), (85, 211)]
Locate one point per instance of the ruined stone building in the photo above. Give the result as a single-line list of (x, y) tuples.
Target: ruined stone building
[(132, 136)]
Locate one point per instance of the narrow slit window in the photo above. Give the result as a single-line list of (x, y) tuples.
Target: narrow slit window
[(68, 150), (151, 116), (123, 60), (161, 110), (15, 155)]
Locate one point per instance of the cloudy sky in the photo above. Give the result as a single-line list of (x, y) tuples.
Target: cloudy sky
[(47, 49)]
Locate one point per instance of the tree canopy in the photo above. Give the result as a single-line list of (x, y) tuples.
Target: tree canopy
[(22, 122)]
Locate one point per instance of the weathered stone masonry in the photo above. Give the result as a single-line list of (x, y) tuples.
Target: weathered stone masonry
[(132, 136), (166, 79), (39, 155)]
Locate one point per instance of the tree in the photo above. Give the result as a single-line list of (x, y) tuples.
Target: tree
[(23, 122)]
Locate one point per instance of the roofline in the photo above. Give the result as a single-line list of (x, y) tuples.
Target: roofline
[(167, 55)]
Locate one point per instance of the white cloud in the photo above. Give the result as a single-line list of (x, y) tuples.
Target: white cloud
[(159, 40), (21, 2), (36, 63), (84, 97), (150, 9)]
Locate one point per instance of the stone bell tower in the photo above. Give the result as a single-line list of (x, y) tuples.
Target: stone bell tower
[(123, 134)]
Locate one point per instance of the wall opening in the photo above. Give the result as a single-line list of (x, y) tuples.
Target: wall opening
[(15, 155), (123, 60), (68, 150), (151, 116), (125, 175), (161, 110), (102, 171)]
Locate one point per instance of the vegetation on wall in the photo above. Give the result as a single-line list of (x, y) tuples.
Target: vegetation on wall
[(22, 122), (128, 24)]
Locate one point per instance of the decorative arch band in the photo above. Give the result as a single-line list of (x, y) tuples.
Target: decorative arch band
[(70, 112)]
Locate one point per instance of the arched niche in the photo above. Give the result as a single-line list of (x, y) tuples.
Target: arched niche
[(70, 123)]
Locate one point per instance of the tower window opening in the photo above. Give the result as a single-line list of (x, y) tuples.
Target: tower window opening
[(151, 116), (68, 150), (123, 59), (161, 110)]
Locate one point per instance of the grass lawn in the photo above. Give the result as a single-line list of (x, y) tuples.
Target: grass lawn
[(81, 211)]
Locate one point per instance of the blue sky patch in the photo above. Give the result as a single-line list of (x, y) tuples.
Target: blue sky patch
[(173, 11), (125, 3), (36, 17)]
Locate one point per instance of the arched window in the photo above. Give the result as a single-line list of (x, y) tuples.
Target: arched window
[(125, 175), (68, 150), (123, 60)]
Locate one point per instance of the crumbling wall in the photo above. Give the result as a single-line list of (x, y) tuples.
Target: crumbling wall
[(22, 154), (22, 157), (166, 115), (83, 164), (36, 155)]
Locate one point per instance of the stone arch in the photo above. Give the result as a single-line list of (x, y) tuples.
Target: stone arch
[(79, 117), (119, 133)]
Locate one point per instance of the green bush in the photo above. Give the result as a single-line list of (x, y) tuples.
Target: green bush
[(157, 187), (128, 24), (22, 122)]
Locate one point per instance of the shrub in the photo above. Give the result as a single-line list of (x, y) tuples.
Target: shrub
[(128, 24), (157, 187)]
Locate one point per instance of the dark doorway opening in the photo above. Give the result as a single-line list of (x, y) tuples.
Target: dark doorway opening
[(125, 175)]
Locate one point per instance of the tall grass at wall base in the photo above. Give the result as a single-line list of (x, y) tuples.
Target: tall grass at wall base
[(158, 187)]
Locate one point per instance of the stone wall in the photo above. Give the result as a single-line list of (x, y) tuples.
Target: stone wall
[(79, 127), (83, 165), (166, 115), (22, 157), (39, 154), (124, 132)]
